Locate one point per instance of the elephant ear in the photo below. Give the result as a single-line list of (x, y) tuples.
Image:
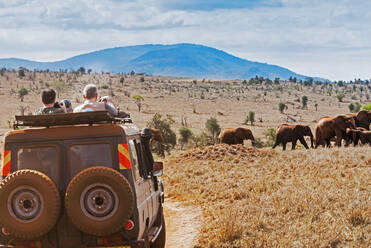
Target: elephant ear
[(299, 129), (240, 131)]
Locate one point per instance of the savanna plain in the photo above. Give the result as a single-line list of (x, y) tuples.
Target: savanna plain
[(248, 196)]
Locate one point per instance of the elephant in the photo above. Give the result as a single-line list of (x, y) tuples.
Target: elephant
[(353, 135), (157, 136), (363, 119), (292, 133), (232, 136), (329, 127), (365, 137)]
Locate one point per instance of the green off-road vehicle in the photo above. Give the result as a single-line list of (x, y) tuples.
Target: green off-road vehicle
[(80, 180)]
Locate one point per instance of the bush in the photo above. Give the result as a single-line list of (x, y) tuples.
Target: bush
[(185, 135), (164, 124), (304, 101), (270, 134), (203, 139), (105, 86), (213, 127), (252, 117), (282, 107), (367, 107), (340, 96), (354, 107)]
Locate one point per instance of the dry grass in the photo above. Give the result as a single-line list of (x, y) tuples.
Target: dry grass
[(268, 198)]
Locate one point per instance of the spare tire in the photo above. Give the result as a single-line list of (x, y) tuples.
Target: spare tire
[(99, 200), (30, 204)]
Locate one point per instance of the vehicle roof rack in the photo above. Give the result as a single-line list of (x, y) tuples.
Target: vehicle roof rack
[(94, 117)]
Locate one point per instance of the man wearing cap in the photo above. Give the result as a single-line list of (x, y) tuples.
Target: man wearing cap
[(91, 103)]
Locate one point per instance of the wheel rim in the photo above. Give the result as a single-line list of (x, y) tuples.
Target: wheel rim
[(25, 204), (99, 201)]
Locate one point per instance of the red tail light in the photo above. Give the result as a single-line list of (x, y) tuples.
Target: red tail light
[(129, 225), (4, 231)]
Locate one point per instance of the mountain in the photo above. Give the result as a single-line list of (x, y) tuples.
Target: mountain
[(179, 60)]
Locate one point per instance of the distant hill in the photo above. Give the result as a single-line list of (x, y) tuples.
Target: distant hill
[(179, 60)]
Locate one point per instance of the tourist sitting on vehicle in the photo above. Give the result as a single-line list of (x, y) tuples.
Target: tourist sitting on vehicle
[(92, 103), (48, 99)]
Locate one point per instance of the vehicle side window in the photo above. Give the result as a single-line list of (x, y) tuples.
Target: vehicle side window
[(135, 163)]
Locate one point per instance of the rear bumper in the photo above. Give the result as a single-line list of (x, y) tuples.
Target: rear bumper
[(129, 244)]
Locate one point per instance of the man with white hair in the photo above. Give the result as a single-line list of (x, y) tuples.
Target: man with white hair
[(91, 103)]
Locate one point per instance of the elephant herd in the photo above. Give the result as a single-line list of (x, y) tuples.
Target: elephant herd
[(349, 127)]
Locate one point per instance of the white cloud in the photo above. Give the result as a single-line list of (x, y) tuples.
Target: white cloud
[(317, 38)]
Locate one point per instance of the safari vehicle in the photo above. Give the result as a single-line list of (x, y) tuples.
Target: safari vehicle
[(80, 180)]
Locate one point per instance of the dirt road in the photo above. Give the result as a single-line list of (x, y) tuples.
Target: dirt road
[(183, 224)]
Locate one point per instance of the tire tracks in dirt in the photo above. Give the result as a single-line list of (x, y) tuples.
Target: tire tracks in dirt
[(183, 224)]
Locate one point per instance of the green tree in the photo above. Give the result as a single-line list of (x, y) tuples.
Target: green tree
[(122, 80), (304, 101), (22, 92), (282, 107), (340, 96), (21, 73), (185, 135), (213, 127), (138, 101), (81, 70), (164, 125)]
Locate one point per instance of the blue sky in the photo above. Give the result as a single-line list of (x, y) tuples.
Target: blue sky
[(325, 38)]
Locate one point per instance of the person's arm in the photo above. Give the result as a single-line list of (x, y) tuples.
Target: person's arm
[(111, 109)]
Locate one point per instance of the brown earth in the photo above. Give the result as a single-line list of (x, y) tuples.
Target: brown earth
[(183, 224)]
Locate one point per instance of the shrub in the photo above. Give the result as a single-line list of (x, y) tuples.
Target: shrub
[(340, 96), (252, 117), (367, 107), (354, 107), (105, 86), (185, 135), (282, 107), (164, 125), (270, 134), (304, 101), (213, 127), (258, 143)]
